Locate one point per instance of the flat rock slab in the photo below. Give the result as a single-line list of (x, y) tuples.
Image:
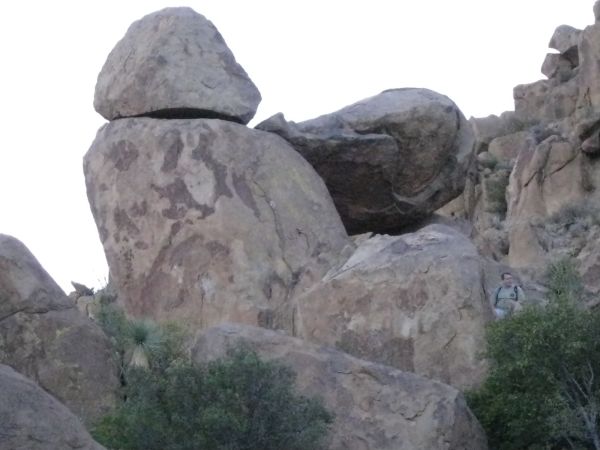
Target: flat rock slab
[(376, 407)]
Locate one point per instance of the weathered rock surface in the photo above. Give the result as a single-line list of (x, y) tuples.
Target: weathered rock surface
[(31, 419), (207, 221), (554, 208), (546, 100), (43, 336), (388, 160), (416, 301), (560, 66), (507, 148), (588, 102), (174, 63), (376, 407), (565, 38), (485, 129)]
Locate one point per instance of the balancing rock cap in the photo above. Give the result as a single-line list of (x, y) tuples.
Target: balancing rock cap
[(174, 63)]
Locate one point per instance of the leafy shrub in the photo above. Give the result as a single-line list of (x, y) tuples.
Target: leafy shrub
[(543, 389), (235, 403), (495, 189)]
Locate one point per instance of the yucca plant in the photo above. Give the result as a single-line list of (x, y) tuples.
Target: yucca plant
[(144, 338)]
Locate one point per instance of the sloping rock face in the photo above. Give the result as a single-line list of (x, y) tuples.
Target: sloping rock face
[(376, 407), (417, 302), (43, 336), (206, 221), (388, 160), (31, 419), (174, 63)]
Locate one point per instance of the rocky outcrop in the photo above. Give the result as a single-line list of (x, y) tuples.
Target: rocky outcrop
[(376, 407), (548, 207), (485, 129), (417, 302), (207, 221), (31, 419), (43, 336), (388, 160), (174, 63)]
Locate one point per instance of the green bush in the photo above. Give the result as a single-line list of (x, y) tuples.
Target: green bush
[(495, 189), (543, 389), (235, 403)]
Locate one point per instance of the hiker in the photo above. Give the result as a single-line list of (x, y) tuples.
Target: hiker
[(507, 297)]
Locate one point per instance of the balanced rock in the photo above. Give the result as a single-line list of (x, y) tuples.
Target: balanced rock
[(43, 336), (174, 63), (205, 220), (375, 407), (388, 160), (416, 302), (31, 419)]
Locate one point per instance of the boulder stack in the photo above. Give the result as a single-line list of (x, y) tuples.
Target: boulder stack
[(202, 219)]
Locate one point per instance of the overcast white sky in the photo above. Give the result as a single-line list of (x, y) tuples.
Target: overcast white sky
[(307, 58)]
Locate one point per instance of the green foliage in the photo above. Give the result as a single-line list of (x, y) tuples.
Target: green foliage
[(495, 188), (542, 391), (141, 342), (236, 403)]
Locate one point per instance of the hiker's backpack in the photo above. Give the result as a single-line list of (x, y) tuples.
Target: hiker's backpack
[(516, 288)]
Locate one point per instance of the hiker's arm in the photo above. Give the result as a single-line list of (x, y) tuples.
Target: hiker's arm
[(522, 297)]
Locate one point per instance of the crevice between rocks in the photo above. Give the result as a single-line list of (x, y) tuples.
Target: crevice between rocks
[(185, 113)]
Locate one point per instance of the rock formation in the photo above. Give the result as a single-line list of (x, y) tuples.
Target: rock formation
[(43, 336), (417, 302), (388, 160), (31, 419), (206, 221), (376, 407), (536, 199), (174, 63)]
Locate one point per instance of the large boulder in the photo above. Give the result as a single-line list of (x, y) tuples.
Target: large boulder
[(206, 221), (31, 419), (417, 302), (375, 407), (388, 160), (174, 63), (45, 337)]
